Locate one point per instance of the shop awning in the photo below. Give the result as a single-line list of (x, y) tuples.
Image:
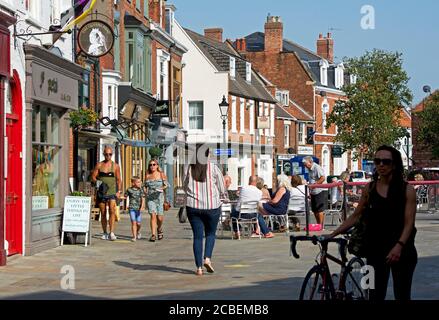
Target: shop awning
[(136, 143)]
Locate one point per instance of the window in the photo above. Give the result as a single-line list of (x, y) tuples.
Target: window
[(84, 90), (234, 115), (169, 21), (324, 72), (339, 76), (309, 135), (242, 117), (232, 67), (138, 58), (55, 13), (283, 96), (248, 72), (286, 135), (162, 74), (252, 117), (267, 114), (301, 133), (325, 110), (117, 48), (33, 6), (45, 159), (196, 114)]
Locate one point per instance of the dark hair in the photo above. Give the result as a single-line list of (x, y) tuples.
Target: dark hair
[(199, 169), (397, 184)]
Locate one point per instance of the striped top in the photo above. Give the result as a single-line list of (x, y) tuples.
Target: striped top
[(205, 195)]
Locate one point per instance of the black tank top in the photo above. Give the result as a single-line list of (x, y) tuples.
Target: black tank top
[(385, 222)]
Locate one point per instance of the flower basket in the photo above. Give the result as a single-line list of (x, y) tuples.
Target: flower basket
[(83, 118)]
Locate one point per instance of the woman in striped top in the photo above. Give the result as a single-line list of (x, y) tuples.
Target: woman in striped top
[(205, 188)]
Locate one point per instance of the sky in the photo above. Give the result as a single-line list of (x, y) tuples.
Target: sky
[(410, 27)]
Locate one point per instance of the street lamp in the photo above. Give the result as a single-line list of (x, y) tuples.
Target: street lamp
[(224, 109)]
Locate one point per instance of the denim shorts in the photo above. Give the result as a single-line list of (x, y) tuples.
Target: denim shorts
[(135, 216)]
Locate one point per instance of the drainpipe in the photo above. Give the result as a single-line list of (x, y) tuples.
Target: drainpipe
[(2, 177)]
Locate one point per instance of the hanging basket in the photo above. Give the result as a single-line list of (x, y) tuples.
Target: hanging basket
[(155, 152), (83, 118)]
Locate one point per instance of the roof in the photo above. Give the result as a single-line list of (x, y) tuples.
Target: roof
[(282, 113), (219, 54), (298, 112), (255, 42)]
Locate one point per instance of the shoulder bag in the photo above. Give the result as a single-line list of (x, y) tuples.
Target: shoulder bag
[(166, 204), (182, 213)]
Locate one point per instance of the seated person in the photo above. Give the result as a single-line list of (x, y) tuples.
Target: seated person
[(297, 200), (261, 186), (279, 204), (250, 193)]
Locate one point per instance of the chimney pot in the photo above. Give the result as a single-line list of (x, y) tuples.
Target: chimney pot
[(320, 36), (329, 35)]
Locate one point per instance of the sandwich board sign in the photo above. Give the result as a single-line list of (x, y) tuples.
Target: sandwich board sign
[(76, 216)]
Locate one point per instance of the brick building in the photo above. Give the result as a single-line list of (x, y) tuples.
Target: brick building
[(313, 82)]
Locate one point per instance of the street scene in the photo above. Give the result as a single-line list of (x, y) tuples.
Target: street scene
[(167, 150)]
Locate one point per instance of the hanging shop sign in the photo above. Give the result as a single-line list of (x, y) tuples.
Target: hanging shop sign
[(96, 38)]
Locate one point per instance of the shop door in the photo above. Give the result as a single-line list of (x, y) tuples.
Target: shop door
[(14, 181)]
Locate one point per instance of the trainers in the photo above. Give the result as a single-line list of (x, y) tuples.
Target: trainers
[(255, 235), (133, 239), (104, 236), (112, 237), (269, 235), (139, 236)]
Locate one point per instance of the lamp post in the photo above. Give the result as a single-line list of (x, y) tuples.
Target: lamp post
[(224, 109)]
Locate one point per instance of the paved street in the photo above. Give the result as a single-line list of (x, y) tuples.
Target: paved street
[(246, 269)]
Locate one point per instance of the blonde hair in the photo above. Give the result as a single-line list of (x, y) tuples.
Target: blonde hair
[(283, 181), (158, 166), (419, 177), (260, 183)]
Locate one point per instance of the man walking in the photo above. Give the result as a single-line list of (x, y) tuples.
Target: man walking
[(319, 197), (108, 172)]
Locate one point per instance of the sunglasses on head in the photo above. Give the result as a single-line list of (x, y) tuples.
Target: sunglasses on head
[(386, 162)]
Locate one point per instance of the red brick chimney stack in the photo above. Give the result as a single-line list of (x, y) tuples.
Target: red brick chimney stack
[(325, 47), (273, 34), (241, 45), (215, 34)]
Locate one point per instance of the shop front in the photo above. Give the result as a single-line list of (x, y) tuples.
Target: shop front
[(51, 92), (5, 62)]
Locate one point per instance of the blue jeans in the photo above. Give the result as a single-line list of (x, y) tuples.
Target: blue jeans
[(203, 221), (262, 224)]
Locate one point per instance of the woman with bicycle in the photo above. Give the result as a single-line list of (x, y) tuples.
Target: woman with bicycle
[(387, 209)]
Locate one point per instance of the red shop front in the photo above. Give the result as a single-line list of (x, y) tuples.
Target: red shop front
[(5, 63)]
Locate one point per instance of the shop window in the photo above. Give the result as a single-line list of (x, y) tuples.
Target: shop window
[(45, 159)]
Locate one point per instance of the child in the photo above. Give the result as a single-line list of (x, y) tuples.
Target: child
[(136, 204)]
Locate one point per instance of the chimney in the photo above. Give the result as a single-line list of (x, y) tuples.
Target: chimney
[(241, 45), (325, 47), (215, 34), (273, 34), (155, 10)]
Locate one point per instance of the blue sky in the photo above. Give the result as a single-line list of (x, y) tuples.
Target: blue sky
[(407, 26)]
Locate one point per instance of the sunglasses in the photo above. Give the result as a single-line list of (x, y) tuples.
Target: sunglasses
[(386, 162), (152, 164), (108, 154)]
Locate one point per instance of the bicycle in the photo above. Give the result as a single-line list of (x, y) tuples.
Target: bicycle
[(320, 284)]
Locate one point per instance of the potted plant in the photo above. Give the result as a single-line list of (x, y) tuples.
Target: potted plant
[(83, 118), (155, 152)]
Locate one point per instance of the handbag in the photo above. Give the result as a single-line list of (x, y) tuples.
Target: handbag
[(357, 244), (166, 204), (182, 215)]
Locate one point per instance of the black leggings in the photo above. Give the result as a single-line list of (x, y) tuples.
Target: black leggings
[(402, 273)]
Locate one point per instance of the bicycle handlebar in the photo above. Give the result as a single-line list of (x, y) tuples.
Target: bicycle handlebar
[(319, 239)]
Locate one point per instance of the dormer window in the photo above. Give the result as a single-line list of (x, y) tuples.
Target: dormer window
[(324, 65), (232, 67), (283, 96), (248, 72), (339, 76)]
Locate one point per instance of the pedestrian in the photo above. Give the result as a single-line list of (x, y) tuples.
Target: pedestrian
[(136, 201), (250, 193), (227, 181), (388, 209), (205, 187), (263, 187), (109, 191), (279, 204), (155, 186), (319, 196)]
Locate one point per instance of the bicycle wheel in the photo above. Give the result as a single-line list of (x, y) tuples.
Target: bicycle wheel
[(313, 287), (352, 279)]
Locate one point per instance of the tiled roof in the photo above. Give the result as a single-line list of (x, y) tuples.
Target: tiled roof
[(219, 54), (284, 114)]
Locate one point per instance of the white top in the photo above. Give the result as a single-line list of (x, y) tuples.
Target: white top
[(248, 194), (297, 198)]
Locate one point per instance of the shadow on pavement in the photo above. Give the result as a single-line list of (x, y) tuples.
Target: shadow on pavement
[(148, 267)]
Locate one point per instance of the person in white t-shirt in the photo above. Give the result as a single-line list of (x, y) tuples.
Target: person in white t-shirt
[(297, 201), (251, 193)]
